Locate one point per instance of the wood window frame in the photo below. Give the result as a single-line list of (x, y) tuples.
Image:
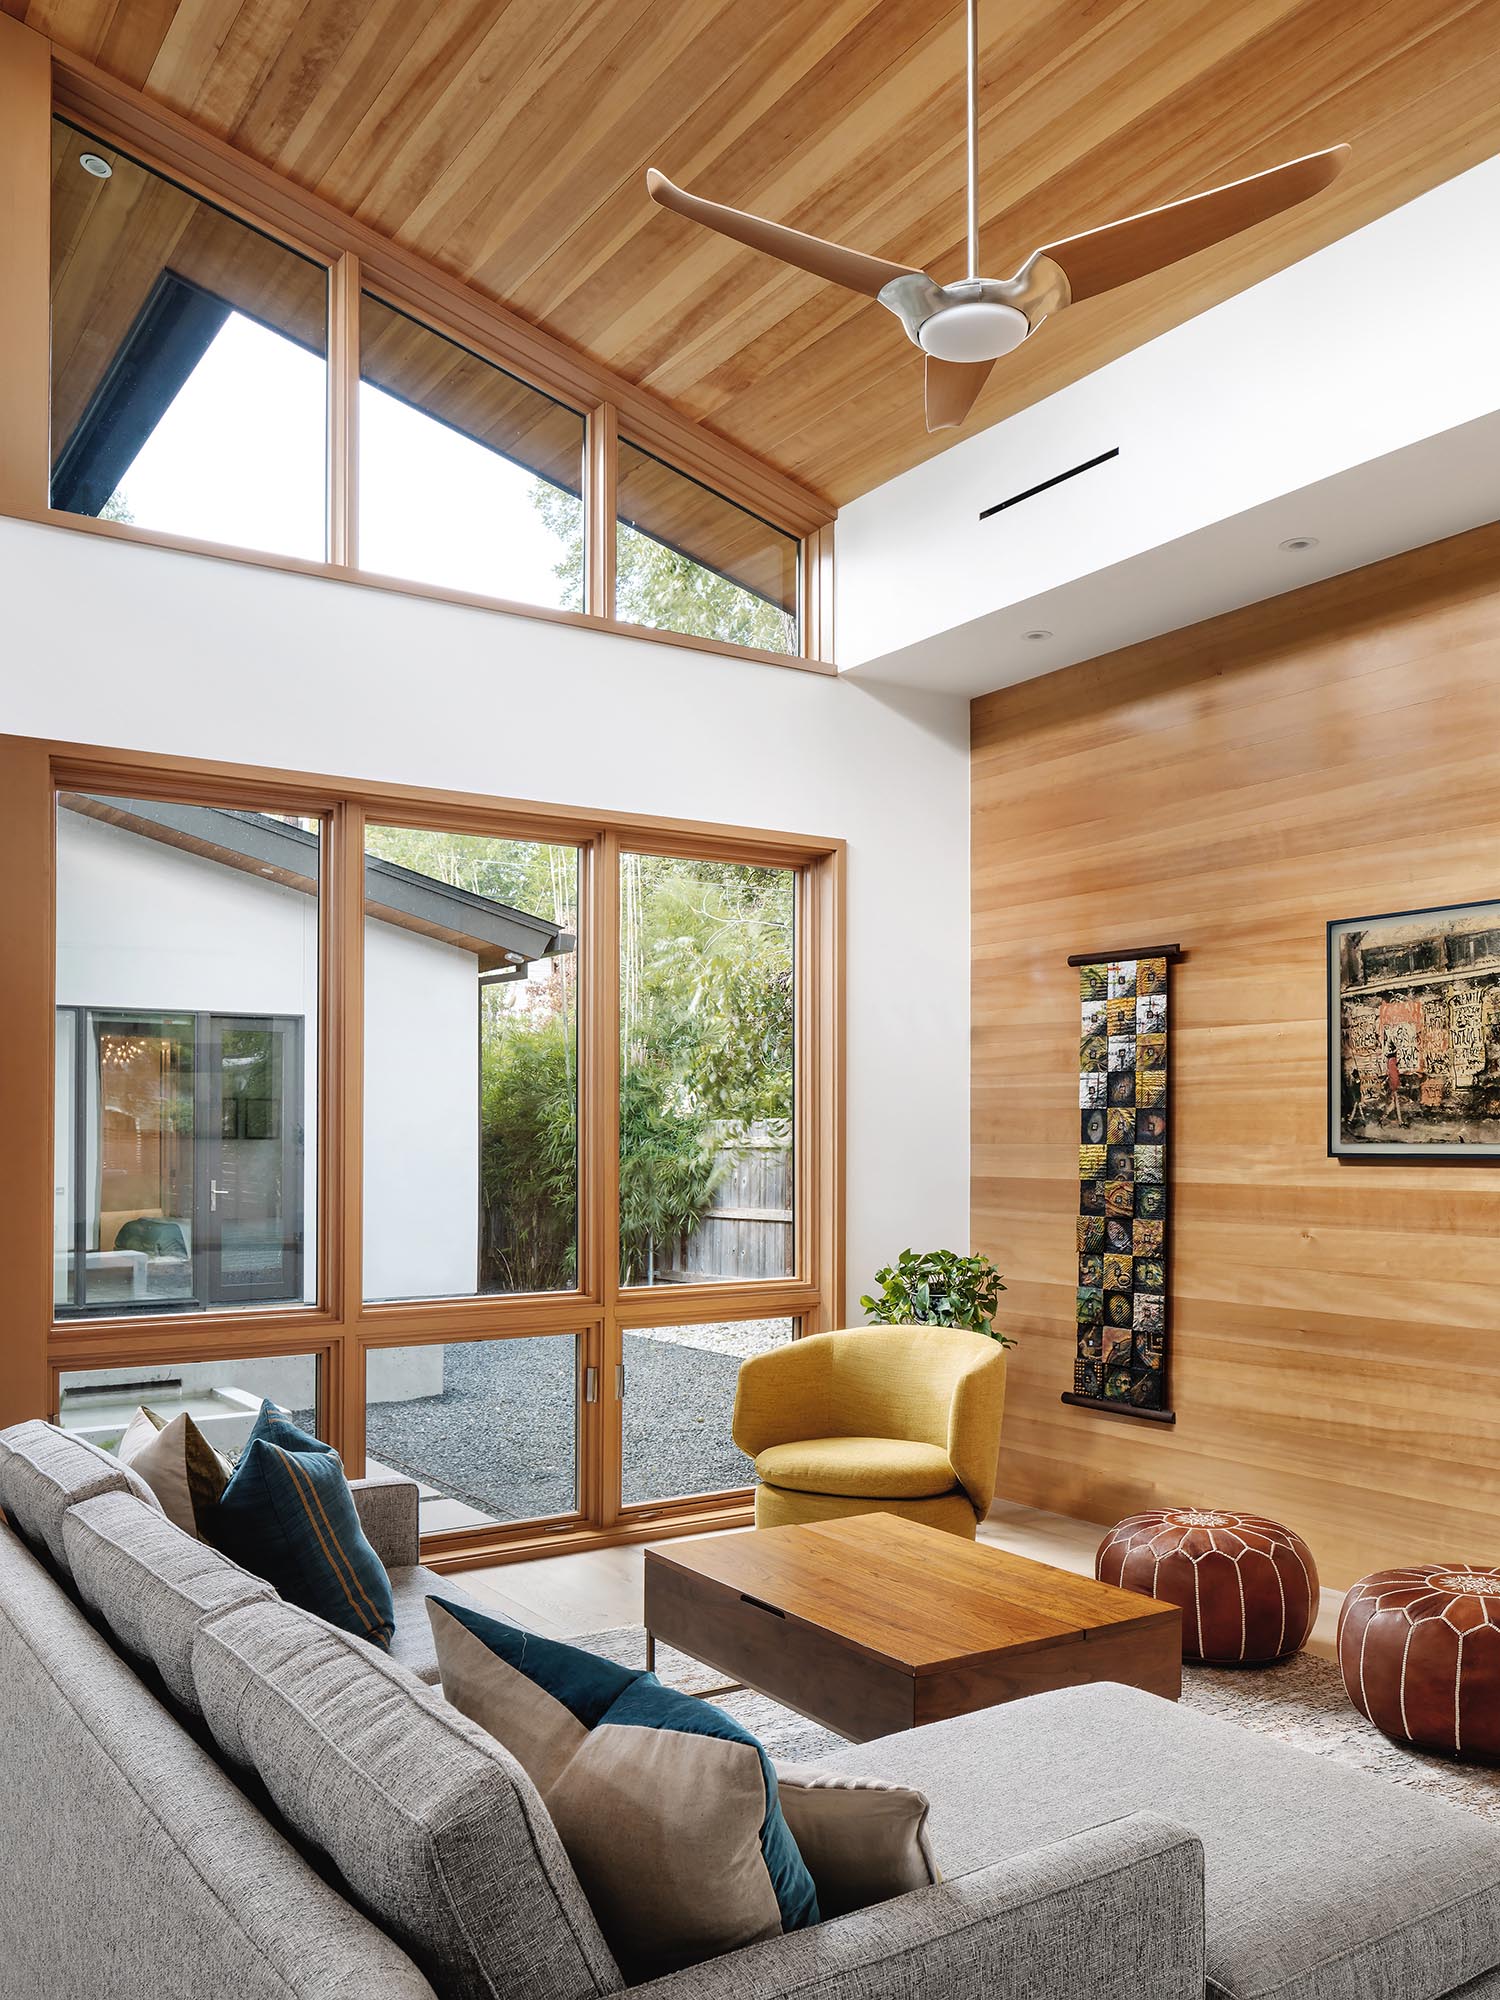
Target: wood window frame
[(38, 79), (341, 1327)]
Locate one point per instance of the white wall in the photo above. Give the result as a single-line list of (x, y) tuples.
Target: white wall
[(1356, 353), (421, 1214), (111, 644)]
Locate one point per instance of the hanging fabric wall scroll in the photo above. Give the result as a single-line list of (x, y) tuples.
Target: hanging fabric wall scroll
[(1124, 1204)]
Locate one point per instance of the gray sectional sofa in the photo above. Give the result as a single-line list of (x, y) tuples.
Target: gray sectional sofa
[(205, 1790)]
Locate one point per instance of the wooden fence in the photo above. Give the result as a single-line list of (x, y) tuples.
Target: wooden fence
[(748, 1231)]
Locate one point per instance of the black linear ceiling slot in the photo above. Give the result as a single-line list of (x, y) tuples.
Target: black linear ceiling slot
[(1056, 480)]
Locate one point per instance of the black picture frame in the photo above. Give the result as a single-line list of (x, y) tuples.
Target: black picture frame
[(1440, 1103)]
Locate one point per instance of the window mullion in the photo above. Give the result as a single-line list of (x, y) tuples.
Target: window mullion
[(343, 411), (599, 505)]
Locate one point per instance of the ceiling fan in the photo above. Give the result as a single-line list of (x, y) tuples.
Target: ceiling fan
[(964, 328)]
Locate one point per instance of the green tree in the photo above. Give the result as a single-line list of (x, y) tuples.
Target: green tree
[(528, 1154), (659, 586), (707, 982)]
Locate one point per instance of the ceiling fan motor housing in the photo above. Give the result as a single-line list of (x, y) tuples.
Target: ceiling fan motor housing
[(979, 330)]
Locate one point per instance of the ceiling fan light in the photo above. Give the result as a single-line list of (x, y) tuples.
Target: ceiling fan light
[(981, 331)]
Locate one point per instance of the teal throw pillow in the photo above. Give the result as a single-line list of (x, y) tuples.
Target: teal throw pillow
[(287, 1515), (276, 1427)]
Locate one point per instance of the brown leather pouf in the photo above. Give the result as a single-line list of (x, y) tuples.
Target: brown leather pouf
[(1247, 1587), (1419, 1650)]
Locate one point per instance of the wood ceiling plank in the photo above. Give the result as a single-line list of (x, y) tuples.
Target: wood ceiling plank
[(505, 140), (361, 113), (469, 113), (129, 44), (486, 194), (215, 54)]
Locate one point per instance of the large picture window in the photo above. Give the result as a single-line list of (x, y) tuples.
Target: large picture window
[(488, 1139)]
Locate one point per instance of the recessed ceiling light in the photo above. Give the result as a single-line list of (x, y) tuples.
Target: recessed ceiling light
[(1040, 632), (92, 164), (1295, 544)]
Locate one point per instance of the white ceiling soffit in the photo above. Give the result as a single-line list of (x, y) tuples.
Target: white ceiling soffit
[(1347, 399)]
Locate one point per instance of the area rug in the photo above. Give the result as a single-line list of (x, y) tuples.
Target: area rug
[(1301, 1702), (787, 1736)]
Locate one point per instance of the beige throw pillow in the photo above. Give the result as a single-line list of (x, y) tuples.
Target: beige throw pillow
[(863, 1840), (179, 1465), (665, 1805)]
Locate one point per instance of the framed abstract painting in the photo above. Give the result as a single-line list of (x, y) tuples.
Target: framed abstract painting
[(1414, 1035)]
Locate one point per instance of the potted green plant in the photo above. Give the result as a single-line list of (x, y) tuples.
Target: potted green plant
[(938, 1288)]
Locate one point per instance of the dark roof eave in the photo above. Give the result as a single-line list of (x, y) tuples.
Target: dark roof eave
[(493, 928)]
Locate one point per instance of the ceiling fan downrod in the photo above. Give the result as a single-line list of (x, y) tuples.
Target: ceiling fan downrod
[(973, 137)]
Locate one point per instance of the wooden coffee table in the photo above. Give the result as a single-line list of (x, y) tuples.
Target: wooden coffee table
[(876, 1624)]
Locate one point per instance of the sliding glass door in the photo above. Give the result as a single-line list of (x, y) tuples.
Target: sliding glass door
[(181, 1159), (250, 1159)]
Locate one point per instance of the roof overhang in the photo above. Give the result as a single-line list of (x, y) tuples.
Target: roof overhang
[(503, 940)]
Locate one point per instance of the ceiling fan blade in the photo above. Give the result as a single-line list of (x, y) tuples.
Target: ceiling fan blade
[(951, 387), (809, 253), (1100, 259)]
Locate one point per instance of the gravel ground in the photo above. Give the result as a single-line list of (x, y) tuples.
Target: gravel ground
[(500, 1436)]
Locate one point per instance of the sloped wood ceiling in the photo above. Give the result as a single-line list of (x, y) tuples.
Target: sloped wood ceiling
[(507, 143)]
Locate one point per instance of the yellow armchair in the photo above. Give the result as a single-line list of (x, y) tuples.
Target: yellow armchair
[(883, 1419)]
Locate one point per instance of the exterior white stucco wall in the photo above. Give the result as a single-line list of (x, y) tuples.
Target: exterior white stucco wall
[(139, 648), (421, 1201)]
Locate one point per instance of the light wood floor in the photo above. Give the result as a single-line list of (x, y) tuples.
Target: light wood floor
[(563, 1597)]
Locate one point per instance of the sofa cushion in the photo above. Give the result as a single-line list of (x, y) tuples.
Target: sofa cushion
[(873, 1468), (864, 1840), (288, 1515), (389, 1509), (134, 1867), (666, 1806), (438, 1833), (411, 1642), (45, 1470), (1322, 1883), (178, 1463), (152, 1584)]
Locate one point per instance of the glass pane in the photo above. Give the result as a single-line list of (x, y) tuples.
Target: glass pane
[(487, 1428), (707, 1020), (688, 560), (189, 384), (222, 1397), (471, 1065), (467, 476), (186, 1084), (679, 1398)]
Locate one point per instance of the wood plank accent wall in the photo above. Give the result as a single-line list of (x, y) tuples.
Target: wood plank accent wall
[(1331, 753)]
